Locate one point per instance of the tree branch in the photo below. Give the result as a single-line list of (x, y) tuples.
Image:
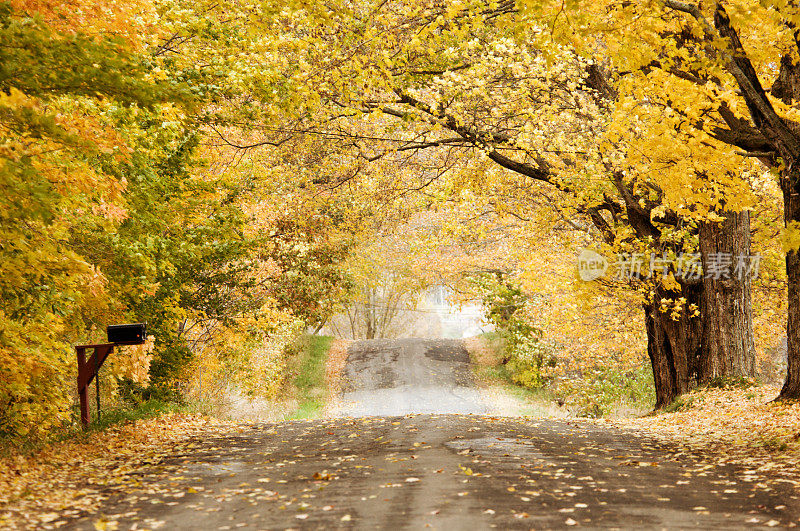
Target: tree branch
[(739, 65)]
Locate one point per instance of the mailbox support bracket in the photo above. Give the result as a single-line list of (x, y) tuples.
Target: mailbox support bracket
[(87, 370)]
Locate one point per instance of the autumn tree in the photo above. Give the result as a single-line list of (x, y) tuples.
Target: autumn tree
[(386, 288), (721, 55), (454, 81), (57, 86), (305, 260), (116, 208)]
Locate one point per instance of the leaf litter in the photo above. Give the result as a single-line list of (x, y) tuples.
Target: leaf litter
[(70, 479), (731, 426)]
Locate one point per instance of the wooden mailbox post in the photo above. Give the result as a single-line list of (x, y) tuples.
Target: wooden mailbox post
[(129, 334)]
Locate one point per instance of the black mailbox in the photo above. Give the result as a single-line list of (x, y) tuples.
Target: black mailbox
[(127, 334)]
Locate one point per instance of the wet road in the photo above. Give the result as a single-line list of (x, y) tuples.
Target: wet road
[(443, 471)]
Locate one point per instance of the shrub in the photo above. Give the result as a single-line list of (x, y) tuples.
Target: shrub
[(600, 389), (526, 356)]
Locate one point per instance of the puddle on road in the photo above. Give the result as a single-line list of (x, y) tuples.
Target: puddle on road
[(217, 469), (452, 353), (497, 445)]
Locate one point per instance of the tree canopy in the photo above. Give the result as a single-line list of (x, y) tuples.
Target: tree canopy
[(222, 171)]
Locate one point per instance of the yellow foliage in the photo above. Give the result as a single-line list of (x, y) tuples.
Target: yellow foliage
[(790, 239), (132, 19), (133, 361)]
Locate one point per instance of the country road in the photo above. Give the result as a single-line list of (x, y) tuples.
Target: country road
[(413, 447), (406, 376)]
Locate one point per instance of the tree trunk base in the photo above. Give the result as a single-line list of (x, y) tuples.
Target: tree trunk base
[(673, 345)]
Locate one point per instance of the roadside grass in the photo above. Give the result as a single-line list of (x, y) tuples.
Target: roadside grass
[(610, 390), (511, 399), (125, 415), (303, 392), (500, 376), (681, 403), (488, 369), (749, 390), (310, 385)]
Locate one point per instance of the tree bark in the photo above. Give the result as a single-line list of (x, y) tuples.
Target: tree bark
[(660, 353), (673, 344), (728, 350), (791, 212)]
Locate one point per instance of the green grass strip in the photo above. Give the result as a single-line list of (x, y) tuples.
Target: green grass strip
[(310, 380)]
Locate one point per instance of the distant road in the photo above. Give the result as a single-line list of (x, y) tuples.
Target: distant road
[(403, 376)]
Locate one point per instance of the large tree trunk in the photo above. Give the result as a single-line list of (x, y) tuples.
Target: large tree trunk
[(728, 350), (791, 212), (673, 344), (688, 350), (660, 353)]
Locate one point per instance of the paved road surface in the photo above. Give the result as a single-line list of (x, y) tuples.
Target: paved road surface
[(404, 376), (446, 471)]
